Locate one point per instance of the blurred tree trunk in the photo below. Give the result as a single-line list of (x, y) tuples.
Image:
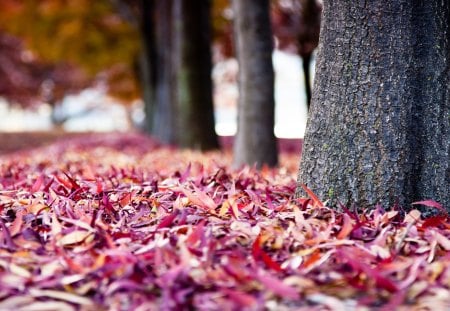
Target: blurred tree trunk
[(177, 72), (255, 141), (193, 63), (56, 117), (148, 60), (306, 63), (164, 126), (308, 38), (379, 127)]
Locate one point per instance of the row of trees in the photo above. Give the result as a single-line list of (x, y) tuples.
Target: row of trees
[(379, 129), (379, 119), (176, 71), (163, 48), (177, 65)]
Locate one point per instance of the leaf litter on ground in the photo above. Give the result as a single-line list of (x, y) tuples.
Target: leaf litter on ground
[(121, 223)]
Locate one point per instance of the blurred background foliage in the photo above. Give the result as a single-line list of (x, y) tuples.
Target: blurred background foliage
[(88, 37), (53, 48)]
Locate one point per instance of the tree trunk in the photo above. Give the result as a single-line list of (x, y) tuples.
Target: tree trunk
[(379, 120), (148, 61), (255, 141), (164, 126), (194, 103), (306, 62), (308, 38), (57, 118)]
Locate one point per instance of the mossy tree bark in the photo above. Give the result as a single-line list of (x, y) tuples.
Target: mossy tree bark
[(193, 96), (255, 142), (379, 121)]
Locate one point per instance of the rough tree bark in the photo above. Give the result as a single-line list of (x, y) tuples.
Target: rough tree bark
[(255, 141), (379, 122), (192, 48)]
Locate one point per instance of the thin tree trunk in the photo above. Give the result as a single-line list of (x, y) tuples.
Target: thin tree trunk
[(308, 38), (164, 126), (306, 62), (255, 141), (148, 61), (192, 48), (56, 118), (379, 127)]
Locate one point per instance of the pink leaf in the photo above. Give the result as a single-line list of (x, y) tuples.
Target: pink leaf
[(346, 228), (168, 220), (431, 203), (37, 184), (278, 287), (198, 198), (241, 298)]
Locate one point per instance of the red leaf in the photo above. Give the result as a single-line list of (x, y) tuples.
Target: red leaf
[(108, 206), (431, 203), (385, 283), (314, 198), (259, 254), (312, 259), (64, 182), (99, 185), (434, 221), (270, 263), (167, 221), (74, 184), (47, 186), (125, 200), (256, 248)]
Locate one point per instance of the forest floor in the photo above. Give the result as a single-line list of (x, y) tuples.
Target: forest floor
[(120, 222), (18, 141)]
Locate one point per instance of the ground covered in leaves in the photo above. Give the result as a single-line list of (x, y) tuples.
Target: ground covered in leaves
[(119, 223)]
